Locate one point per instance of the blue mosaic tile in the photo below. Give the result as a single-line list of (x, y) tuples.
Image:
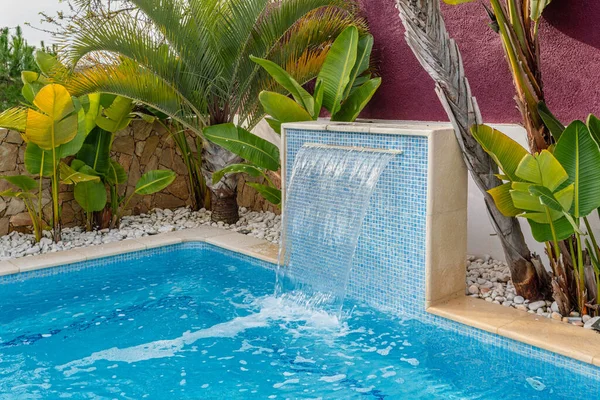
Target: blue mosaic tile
[(392, 241)]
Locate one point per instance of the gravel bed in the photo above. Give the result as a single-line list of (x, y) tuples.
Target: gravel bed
[(489, 279), (263, 225)]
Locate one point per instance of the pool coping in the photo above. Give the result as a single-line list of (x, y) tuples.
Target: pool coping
[(226, 239), (548, 334), (557, 337)]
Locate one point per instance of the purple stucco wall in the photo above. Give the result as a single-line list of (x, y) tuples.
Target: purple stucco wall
[(570, 51)]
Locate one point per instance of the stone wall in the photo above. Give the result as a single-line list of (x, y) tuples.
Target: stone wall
[(139, 148)]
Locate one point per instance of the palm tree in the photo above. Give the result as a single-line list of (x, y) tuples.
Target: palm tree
[(189, 59), (429, 40)]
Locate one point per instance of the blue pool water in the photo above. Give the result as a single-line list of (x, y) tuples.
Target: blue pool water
[(195, 322)]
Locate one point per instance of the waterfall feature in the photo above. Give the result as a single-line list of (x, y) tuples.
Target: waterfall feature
[(326, 202)]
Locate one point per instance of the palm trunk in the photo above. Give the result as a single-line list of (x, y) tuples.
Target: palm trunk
[(429, 40), (223, 194)]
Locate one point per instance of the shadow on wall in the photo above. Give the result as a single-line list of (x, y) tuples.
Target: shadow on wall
[(568, 16)]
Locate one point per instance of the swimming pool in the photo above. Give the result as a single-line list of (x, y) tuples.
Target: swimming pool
[(196, 322)]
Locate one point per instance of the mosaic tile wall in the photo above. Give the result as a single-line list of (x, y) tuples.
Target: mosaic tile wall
[(386, 272)]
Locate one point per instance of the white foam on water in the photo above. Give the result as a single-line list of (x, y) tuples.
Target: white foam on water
[(333, 378), (271, 309), (412, 361), (286, 382), (536, 384)]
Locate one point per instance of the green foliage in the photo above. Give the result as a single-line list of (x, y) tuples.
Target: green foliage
[(15, 56), (245, 144), (554, 190), (154, 181), (344, 86), (26, 186), (203, 69)]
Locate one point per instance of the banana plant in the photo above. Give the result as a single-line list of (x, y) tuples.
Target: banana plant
[(555, 191), (151, 182), (114, 113), (558, 129), (517, 23), (27, 185), (344, 86)]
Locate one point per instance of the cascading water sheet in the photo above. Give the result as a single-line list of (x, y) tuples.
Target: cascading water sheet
[(327, 198)]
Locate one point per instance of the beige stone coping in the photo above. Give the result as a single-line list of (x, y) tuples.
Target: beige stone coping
[(548, 334), (234, 241)]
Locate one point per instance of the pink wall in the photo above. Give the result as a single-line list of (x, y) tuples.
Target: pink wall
[(570, 40)]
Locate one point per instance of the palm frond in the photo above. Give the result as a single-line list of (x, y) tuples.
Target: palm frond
[(14, 119), (194, 54), (133, 81)]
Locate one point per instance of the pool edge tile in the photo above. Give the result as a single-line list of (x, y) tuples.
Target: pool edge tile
[(113, 249), (199, 234), (237, 242), (265, 251), (476, 313), (557, 337), (49, 260), (153, 242), (8, 268)]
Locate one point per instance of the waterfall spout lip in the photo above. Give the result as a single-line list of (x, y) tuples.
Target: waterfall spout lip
[(351, 148)]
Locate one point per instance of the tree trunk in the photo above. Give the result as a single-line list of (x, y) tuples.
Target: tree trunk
[(223, 194), (224, 208), (429, 40)]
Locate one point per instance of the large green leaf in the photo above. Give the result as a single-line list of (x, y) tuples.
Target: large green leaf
[(56, 121), (14, 193), (283, 109), (95, 151), (337, 68), (71, 148), (542, 169), (546, 197), (49, 65), (358, 100), (555, 127), (271, 194), (301, 96), (238, 168), (117, 116), (543, 232), (70, 176), (363, 58), (154, 181), (33, 82), (14, 119), (503, 200), (580, 156), (91, 109), (91, 196), (537, 8), (23, 182), (37, 161), (593, 124), (116, 173), (250, 147), (504, 151)]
